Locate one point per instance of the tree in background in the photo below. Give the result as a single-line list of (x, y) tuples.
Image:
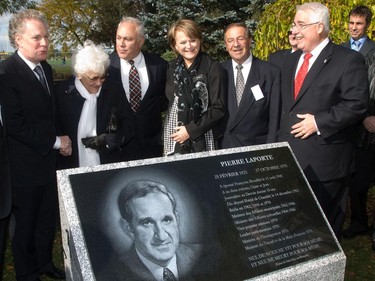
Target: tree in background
[(12, 6), (271, 34), (74, 21), (51, 51), (109, 15), (69, 21), (212, 16)]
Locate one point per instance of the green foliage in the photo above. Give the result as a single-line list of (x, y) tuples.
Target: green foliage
[(275, 21), (13, 6), (211, 15)]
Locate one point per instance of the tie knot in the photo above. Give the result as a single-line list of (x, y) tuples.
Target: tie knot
[(307, 56), (356, 43), (131, 62), (239, 66), (38, 70)]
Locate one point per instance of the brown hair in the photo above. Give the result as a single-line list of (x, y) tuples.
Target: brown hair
[(189, 27)]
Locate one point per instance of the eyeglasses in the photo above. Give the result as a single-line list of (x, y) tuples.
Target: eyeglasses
[(300, 27), (230, 41), (97, 78)]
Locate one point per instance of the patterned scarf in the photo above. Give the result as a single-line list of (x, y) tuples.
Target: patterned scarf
[(189, 104)]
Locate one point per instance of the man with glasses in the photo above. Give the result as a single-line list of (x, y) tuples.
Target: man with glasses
[(278, 57), (91, 109), (324, 93), (253, 93)]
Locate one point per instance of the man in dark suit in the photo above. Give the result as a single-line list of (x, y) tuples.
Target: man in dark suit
[(279, 57), (150, 218), (28, 115), (253, 117), (317, 119), (359, 21), (152, 75), (5, 194)]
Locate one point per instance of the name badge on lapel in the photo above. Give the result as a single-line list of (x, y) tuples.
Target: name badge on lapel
[(257, 92)]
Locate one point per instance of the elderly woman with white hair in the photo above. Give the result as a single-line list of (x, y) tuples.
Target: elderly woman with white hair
[(91, 110)]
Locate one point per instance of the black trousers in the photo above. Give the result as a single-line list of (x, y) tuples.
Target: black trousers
[(3, 239), (35, 211), (360, 183), (333, 197)]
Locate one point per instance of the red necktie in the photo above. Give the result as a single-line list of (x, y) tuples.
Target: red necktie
[(301, 74), (134, 87)]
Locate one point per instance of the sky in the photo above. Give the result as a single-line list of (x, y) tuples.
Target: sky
[(4, 41)]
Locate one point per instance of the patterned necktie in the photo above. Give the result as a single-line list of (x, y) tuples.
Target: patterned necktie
[(356, 45), (168, 275), (42, 80), (134, 87), (240, 83), (301, 74)]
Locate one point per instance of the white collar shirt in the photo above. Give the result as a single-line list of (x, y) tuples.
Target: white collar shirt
[(157, 270), (140, 64), (245, 70)]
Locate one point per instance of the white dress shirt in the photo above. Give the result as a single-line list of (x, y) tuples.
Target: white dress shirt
[(140, 65)]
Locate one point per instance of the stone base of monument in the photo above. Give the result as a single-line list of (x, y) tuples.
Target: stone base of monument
[(250, 211)]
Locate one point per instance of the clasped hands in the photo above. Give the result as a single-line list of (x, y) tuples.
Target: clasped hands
[(306, 127), (180, 135), (65, 146)]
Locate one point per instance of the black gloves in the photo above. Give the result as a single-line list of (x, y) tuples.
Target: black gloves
[(101, 142)]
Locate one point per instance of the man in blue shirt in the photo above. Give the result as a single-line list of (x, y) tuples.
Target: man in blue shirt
[(359, 21)]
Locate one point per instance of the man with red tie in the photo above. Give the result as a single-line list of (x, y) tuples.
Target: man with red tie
[(317, 119)]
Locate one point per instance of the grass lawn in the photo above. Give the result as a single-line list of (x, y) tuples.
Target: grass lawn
[(61, 71)]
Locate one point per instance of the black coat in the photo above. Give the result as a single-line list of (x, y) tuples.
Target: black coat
[(28, 112), (335, 91), (69, 105), (147, 119), (253, 121)]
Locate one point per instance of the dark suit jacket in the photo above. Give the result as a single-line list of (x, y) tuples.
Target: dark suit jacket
[(69, 105), (335, 91), (213, 72), (28, 112), (5, 188), (253, 121), (129, 267), (147, 122), (367, 48), (278, 57)]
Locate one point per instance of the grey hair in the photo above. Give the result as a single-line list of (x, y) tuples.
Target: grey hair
[(17, 23), (90, 58), (320, 13), (140, 26)]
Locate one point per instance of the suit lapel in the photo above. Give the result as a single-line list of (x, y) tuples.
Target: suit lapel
[(247, 99), (321, 61), (366, 47), (24, 71)]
